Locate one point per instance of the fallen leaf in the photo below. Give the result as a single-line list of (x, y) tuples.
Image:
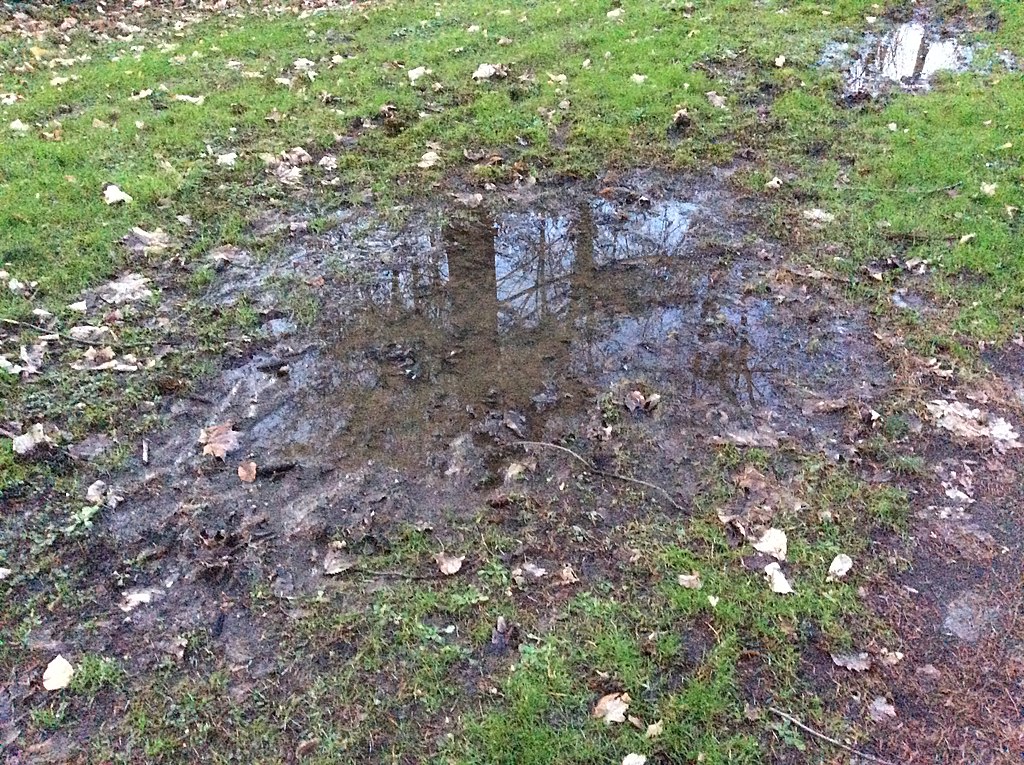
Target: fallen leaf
[(104, 359), (490, 71), (989, 189), (328, 162), (219, 440), (972, 424), (772, 542), (840, 567), (428, 160), (612, 708), (615, 13), (4, 573), (713, 600), (639, 79), (227, 160), (780, 61), (655, 729), (634, 759), (880, 710), (113, 195), (415, 74), (763, 436), (99, 494), (196, 100), (449, 564), (777, 580), (128, 288), (818, 216), (967, 238), (30, 439), (19, 127), (855, 662), (132, 599), (143, 242), (58, 674), (690, 581), (774, 184), (534, 570), (719, 102), (471, 201), (247, 471), (337, 561), (567, 576)]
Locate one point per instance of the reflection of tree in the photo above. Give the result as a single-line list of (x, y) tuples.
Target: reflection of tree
[(473, 301)]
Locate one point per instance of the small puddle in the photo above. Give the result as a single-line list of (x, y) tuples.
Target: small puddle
[(908, 56), (441, 344)]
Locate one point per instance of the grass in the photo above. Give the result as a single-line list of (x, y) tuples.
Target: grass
[(409, 672)]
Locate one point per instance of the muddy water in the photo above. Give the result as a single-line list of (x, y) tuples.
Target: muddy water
[(442, 343), (907, 56)]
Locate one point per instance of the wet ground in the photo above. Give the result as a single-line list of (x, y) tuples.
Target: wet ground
[(639, 321), (909, 55), (443, 343)]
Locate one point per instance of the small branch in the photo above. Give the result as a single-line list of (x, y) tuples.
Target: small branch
[(829, 739), (387, 574), (597, 471)]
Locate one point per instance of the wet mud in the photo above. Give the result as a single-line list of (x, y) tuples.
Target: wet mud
[(443, 343)]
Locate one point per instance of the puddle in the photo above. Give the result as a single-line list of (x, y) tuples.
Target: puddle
[(441, 344), (908, 57)]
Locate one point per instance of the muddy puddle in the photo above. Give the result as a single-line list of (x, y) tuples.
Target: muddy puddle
[(442, 343), (909, 56)]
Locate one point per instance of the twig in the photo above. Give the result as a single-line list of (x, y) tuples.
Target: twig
[(389, 574), (597, 471), (829, 739)]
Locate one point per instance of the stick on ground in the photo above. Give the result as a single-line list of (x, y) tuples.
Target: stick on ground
[(829, 739), (597, 471)]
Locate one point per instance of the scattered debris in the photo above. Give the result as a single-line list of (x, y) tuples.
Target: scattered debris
[(818, 217), (247, 471), (132, 599), (973, 424)]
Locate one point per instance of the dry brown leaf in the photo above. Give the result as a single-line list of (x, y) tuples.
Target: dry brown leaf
[(219, 440), (690, 581), (449, 565), (612, 708), (247, 471)]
